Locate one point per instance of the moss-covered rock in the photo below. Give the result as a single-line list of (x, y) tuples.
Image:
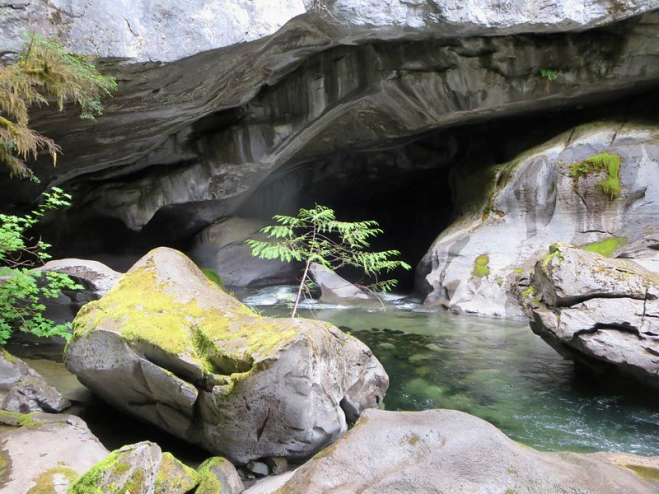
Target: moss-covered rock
[(44, 453), (594, 185), (170, 346), (174, 476), (218, 476), (133, 469)]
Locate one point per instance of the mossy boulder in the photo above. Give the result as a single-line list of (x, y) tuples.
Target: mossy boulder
[(140, 468), (601, 312), (218, 476), (593, 186), (171, 347), (446, 451), (44, 453)]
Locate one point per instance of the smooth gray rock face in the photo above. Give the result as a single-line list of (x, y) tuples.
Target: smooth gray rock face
[(143, 31), (54, 449), (24, 390), (172, 30), (95, 278), (442, 451), (336, 290), (603, 313), (221, 246), (538, 202), (399, 18), (167, 345)]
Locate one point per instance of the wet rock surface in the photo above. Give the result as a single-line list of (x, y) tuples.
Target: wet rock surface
[(449, 451), (24, 390), (602, 313), (167, 345)]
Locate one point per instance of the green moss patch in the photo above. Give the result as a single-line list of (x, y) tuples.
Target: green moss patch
[(8, 356), (213, 276), (604, 162), (146, 310), (17, 419), (174, 476), (605, 247), (481, 266), (5, 467), (647, 473), (46, 482), (209, 483), (106, 475)]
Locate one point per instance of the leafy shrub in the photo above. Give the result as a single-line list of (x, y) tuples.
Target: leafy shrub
[(22, 288)]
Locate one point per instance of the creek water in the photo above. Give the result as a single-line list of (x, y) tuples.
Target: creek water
[(497, 370)]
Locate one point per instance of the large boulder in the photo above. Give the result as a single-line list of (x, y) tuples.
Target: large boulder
[(221, 247), (24, 390), (45, 453), (336, 290), (169, 346), (551, 193), (603, 313), (446, 451), (94, 277)]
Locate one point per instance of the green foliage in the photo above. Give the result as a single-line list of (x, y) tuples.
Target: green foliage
[(21, 287), (549, 74), (315, 235), (213, 276), (606, 247), (44, 72), (481, 266), (604, 162)]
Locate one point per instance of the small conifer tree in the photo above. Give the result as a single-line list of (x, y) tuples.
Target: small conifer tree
[(314, 235)]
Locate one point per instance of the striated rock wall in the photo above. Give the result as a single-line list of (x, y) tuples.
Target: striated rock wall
[(511, 213)]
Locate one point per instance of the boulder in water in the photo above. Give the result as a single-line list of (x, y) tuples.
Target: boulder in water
[(600, 312), (168, 346)]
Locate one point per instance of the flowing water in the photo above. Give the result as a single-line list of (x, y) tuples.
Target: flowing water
[(497, 370)]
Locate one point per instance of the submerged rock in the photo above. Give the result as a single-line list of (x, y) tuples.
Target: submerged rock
[(140, 468), (24, 390), (446, 451), (168, 346), (44, 453), (603, 313), (593, 186), (336, 290)]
